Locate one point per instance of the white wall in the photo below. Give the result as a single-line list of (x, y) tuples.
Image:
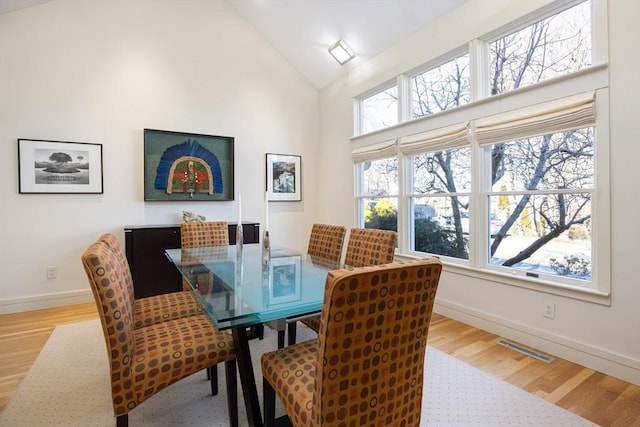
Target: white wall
[(606, 338), (101, 72)]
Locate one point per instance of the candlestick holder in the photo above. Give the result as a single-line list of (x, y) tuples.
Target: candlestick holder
[(266, 250), (239, 239)]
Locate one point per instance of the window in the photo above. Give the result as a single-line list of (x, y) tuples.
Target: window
[(440, 202), (506, 184), (541, 204), (379, 110), (441, 88), (379, 197), (558, 45)]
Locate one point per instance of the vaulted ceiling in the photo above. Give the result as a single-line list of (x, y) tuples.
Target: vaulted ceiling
[(302, 30)]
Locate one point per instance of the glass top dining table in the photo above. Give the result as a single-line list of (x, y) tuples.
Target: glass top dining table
[(241, 291), (237, 291)]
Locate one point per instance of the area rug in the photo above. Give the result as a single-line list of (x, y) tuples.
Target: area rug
[(68, 385)]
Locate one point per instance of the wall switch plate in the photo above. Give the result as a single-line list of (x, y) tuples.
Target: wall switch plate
[(52, 272)]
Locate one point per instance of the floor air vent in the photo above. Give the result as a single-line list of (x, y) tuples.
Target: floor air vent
[(527, 351)]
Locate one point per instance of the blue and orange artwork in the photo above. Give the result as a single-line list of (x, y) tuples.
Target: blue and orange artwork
[(189, 168)]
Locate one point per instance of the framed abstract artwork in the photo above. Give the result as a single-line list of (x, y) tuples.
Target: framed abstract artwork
[(59, 167), (284, 183), (182, 166)]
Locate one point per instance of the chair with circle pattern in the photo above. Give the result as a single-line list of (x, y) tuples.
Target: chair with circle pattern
[(158, 308), (366, 247), (154, 309), (198, 235), (145, 360), (367, 365), (324, 249), (370, 246)]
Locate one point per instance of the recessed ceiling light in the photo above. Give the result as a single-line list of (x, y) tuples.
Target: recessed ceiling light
[(341, 52)]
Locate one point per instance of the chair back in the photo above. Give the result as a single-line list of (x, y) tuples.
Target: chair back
[(325, 243), (370, 246), (371, 343), (114, 244), (115, 307), (199, 234)]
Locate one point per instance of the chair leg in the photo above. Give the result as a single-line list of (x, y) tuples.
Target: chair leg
[(261, 331), (269, 400), (232, 391), (213, 376), (292, 332), (122, 420), (281, 339)]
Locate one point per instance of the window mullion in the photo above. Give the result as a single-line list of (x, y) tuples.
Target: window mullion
[(404, 99), (479, 62), (481, 171)]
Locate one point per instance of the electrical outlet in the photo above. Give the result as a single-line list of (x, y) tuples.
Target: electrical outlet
[(52, 272), (550, 310)]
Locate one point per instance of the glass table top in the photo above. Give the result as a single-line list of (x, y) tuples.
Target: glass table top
[(236, 291)]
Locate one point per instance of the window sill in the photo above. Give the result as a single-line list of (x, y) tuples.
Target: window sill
[(583, 294)]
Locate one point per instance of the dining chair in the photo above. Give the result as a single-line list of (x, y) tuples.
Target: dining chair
[(207, 233), (370, 246), (366, 247), (367, 365), (325, 249), (198, 235), (157, 308), (144, 361)]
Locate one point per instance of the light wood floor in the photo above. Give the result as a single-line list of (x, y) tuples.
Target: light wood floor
[(599, 398)]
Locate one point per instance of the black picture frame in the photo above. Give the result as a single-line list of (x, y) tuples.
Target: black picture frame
[(59, 167), (284, 177), (181, 166)]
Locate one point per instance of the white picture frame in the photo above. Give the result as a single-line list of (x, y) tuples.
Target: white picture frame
[(284, 279), (284, 177)]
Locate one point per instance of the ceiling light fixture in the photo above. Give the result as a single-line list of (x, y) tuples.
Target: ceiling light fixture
[(341, 52)]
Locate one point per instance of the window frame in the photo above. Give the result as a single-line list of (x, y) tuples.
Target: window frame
[(359, 105), (594, 78)]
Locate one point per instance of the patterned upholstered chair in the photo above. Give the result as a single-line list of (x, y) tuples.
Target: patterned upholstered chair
[(325, 249), (366, 367), (370, 246), (208, 233), (157, 308), (145, 360), (366, 246), (200, 234)]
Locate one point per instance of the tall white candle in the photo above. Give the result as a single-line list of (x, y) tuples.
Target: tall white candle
[(239, 208), (266, 210)]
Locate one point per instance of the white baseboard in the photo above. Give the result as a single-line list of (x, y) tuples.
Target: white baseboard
[(18, 305), (595, 358)]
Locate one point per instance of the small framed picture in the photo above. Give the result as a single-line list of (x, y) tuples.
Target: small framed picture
[(284, 183), (284, 280), (59, 167)]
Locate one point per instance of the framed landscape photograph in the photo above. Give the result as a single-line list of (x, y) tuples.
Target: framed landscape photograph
[(283, 177), (181, 166), (58, 167)]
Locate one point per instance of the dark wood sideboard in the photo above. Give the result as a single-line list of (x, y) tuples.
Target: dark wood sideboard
[(152, 272)]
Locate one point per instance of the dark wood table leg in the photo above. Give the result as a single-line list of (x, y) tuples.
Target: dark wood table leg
[(247, 377)]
